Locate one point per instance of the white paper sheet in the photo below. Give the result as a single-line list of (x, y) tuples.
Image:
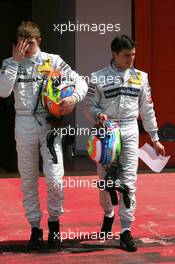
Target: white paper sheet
[(149, 156)]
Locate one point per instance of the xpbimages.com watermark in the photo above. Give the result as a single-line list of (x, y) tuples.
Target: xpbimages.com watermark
[(101, 80), (77, 182), (71, 235), (101, 28), (82, 131)]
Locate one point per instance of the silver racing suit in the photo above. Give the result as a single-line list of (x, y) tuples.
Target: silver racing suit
[(24, 80), (122, 96)]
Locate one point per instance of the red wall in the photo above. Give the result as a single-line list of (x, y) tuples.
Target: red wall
[(155, 37)]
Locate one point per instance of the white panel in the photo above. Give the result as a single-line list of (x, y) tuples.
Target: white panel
[(92, 49)]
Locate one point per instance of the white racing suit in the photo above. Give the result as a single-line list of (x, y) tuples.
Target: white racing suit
[(122, 96), (24, 79)]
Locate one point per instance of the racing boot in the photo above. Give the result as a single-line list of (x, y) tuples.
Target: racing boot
[(36, 239), (127, 242), (54, 234)]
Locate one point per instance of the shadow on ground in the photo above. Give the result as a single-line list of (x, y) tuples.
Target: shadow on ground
[(87, 244)]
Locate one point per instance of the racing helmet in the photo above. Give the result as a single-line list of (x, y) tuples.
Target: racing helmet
[(54, 90), (104, 143)]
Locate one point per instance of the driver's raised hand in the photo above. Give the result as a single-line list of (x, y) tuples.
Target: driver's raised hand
[(19, 50)]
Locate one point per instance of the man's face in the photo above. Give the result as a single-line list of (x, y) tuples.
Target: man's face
[(32, 47), (124, 59)]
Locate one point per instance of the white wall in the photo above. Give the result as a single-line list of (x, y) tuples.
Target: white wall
[(92, 49)]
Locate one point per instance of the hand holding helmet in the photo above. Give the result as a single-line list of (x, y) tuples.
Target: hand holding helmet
[(57, 95), (104, 144), (102, 118), (67, 105), (105, 149)]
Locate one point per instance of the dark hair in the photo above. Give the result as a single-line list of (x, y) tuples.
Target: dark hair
[(122, 42)]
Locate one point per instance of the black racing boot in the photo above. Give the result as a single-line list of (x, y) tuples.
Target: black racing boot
[(107, 226), (36, 239), (54, 234), (127, 242)]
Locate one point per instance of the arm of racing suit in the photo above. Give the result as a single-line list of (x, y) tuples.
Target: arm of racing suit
[(8, 75), (92, 106), (147, 113), (73, 77)]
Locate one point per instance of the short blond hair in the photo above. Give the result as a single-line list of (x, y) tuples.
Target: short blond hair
[(28, 30)]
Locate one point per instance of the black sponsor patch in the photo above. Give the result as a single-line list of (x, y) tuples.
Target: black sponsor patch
[(23, 80), (129, 91)]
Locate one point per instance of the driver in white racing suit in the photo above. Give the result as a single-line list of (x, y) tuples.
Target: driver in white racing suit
[(20, 74), (120, 93)]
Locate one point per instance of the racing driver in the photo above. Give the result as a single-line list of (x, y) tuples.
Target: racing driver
[(21, 74), (120, 93)]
